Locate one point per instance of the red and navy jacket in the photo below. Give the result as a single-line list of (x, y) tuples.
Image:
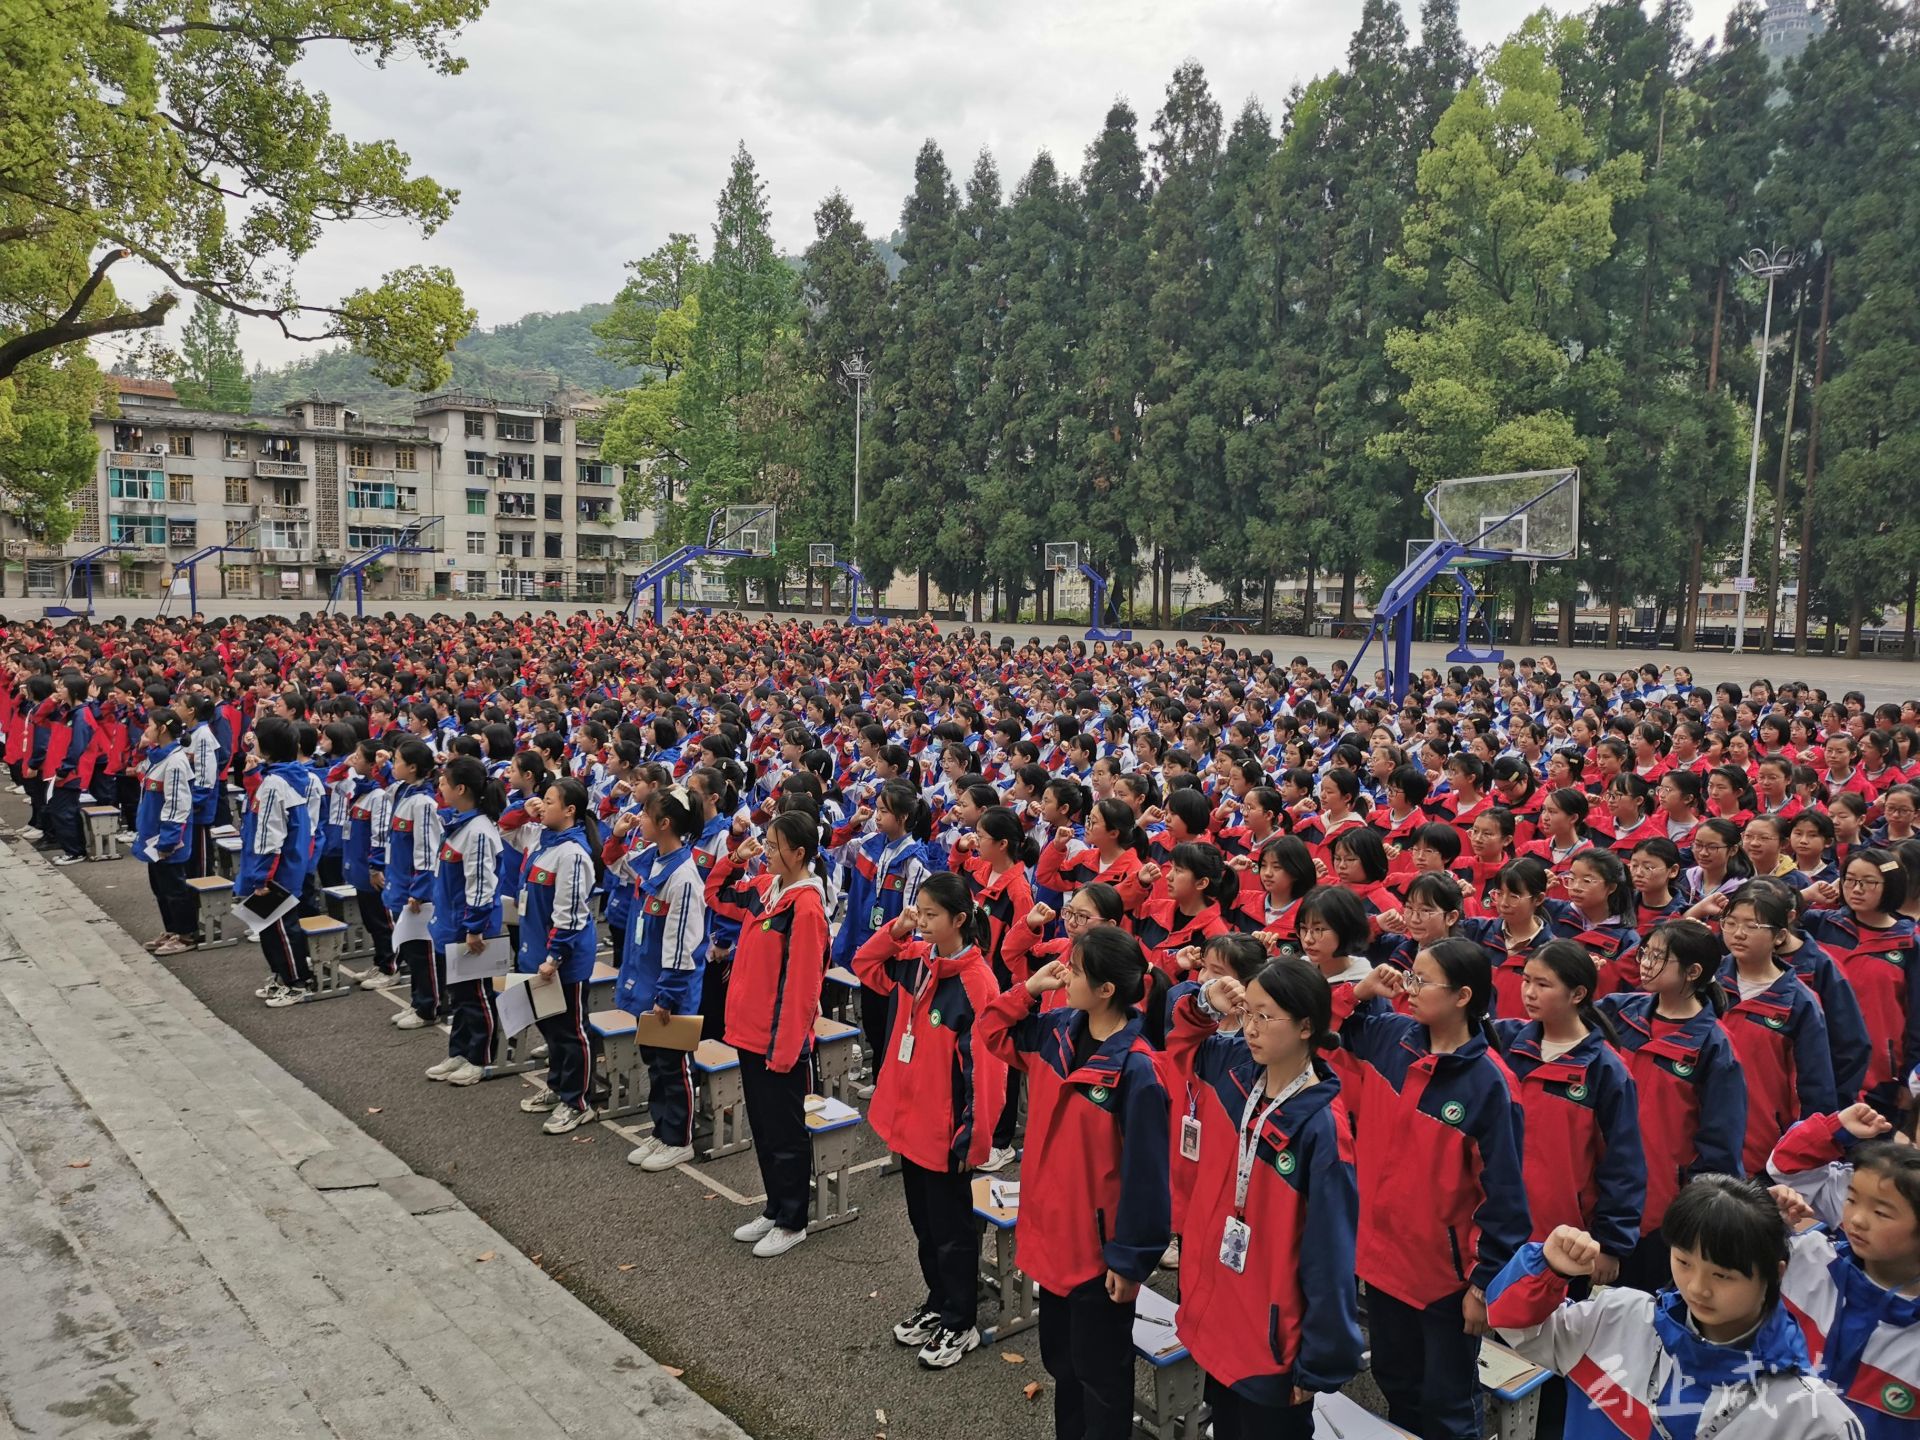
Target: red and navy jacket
[(1847, 1040), (1582, 1162), (1004, 901), (1780, 1037), (1094, 1193), (1288, 1318), (1654, 827), (1163, 932), (1611, 942), (936, 1103), (1883, 967), (1691, 1092), (1509, 961), (779, 962), (1447, 1128)]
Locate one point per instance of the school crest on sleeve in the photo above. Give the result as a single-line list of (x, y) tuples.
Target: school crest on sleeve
[(656, 906), (1453, 1112), (1896, 1399)]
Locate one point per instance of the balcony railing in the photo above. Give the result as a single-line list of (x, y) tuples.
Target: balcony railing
[(119, 505), (280, 469), (280, 512), (282, 556), (378, 474), (136, 460)]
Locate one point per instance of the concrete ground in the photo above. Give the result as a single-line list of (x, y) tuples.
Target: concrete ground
[(1879, 678)]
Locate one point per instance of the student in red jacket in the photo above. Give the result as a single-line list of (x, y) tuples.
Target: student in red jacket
[(1267, 1298), (936, 1100), (772, 1001), (993, 862), (1094, 1211)]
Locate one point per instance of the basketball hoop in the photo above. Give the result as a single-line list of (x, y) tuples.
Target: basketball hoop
[(819, 557), (1062, 556)]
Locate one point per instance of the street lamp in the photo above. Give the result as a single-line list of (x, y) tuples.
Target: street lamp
[(854, 367), (1768, 266)]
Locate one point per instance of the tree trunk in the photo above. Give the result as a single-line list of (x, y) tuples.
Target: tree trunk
[(1613, 611), (1690, 596), (1166, 563), (1348, 575), (1856, 617), (1306, 594), (1660, 619), (1713, 342), (1266, 605), (1780, 489), (1813, 452), (1913, 595), (973, 614), (1523, 607), (1567, 608), (925, 597)]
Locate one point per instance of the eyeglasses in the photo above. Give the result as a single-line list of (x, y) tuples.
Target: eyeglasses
[(1422, 912), (1861, 882), (1254, 1020), (1742, 927), (1413, 984)]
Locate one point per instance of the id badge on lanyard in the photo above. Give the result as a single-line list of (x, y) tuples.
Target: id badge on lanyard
[(1236, 1236), (905, 1052)]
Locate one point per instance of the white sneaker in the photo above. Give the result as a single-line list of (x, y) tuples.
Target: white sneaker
[(755, 1229), (409, 1020), (269, 990), (465, 1073), (865, 1092), (567, 1118), (286, 998), (541, 1103), (997, 1159), (918, 1328), (665, 1157), (445, 1068), (948, 1346), (777, 1242), (127, 837), (32, 832), (69, 859), (379, 981), (638, 1155), (539, 1052)]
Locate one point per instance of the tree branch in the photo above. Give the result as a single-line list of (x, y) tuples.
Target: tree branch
[(218, 294), (35, 342), (87, 290)]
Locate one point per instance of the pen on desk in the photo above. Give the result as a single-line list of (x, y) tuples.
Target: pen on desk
[(1153, 1320)]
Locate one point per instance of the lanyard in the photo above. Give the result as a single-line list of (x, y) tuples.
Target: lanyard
[(1248, 1138), (923, 986)]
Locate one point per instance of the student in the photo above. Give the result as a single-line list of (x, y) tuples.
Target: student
[(1717, 1355), (1275, 1204), (363, 856), (778, 969), (1719, 866), (467, 911), (660, 969), (935, 1103), (557, 941), (1688, 1085), (1582, 1161), (1333, 933), (1198, 885), (1654, 868), (1444, 1124), (1097, 1117), (887, 869), (413, 847), (276, 844), (1521, 929), (1284, 873), (164, 827), (1776, 1025), (1095, 903), (1854, 1281), (1600, 916), (1562, 831), (992, 861), (1874, 946)]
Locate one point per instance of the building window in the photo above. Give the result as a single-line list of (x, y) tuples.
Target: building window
[(403, 458), (369, 495), (235, 529), (555, 579), (236, 489), (240, 578), (513, 427), (408, 496), (180, 443), (180, 488), (552, 506), (506, 545), (135, 484), (361, 455), (137, 529), (551, 433), (476, 542), (369, 537), (183, 534), (476, 502), (592, 472), (516, 503), (550, 468), (236, 447), (324, 417), (552, 548), (476, 426), (476, 462)]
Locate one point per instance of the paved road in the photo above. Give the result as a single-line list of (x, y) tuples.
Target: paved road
[(1879, 679), (195, 1247)]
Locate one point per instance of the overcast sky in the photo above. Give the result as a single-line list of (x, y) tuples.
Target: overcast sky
[(584, 131)]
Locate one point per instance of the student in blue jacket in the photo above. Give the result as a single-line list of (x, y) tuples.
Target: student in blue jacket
[(363, 854), (164, 825), (276, 847), (467, 910), (557, 939), (413, 847), (660, 971)]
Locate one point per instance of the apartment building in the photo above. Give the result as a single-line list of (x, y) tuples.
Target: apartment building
[(527, 508)]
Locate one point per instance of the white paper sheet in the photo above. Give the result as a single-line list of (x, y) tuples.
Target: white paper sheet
[(496, 958), (258, 920), (522, 999), (412, 924)]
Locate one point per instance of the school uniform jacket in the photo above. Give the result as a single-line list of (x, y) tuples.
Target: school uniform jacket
[(1004, 901), (1094, 1191), (1065, 868), (413, 845), (1847, 1040), (363, 845), (466, 880), (1780, 1038), (1449, 1128), (276, 834), (1865, 1338), (779, 963), (1289, 1317), (882, 880), (1630, 1357), (1509, 960), (1611, 942), (1164, 931), (204, 751), (165, 815), (664, 960), (1691, 1093), (936, 1103), (556, 883), (1883, 968), (1582, 1162)]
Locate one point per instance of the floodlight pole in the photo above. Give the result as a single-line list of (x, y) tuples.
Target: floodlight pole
[(1770, 267), (855, 369)]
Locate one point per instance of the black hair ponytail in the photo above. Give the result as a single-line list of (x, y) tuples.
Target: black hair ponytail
[(1000, 824), (469, 773), (903, 801)]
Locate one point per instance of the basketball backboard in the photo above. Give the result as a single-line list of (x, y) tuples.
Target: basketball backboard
[(748, 527), (1533, 515), (819, 556), (1062, 555)]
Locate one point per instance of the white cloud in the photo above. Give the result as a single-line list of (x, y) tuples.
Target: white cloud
[(584, 131)]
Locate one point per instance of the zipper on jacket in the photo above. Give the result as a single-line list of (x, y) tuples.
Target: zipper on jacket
[(1100, 1226), (1453, 1247)]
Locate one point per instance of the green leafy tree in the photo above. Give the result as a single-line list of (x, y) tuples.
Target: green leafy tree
[(212, 373), (186, 137), (47, 449), (651, 326)]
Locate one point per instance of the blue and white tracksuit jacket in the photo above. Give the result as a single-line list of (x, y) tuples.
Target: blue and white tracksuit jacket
[(556, 906), (665, 955)]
